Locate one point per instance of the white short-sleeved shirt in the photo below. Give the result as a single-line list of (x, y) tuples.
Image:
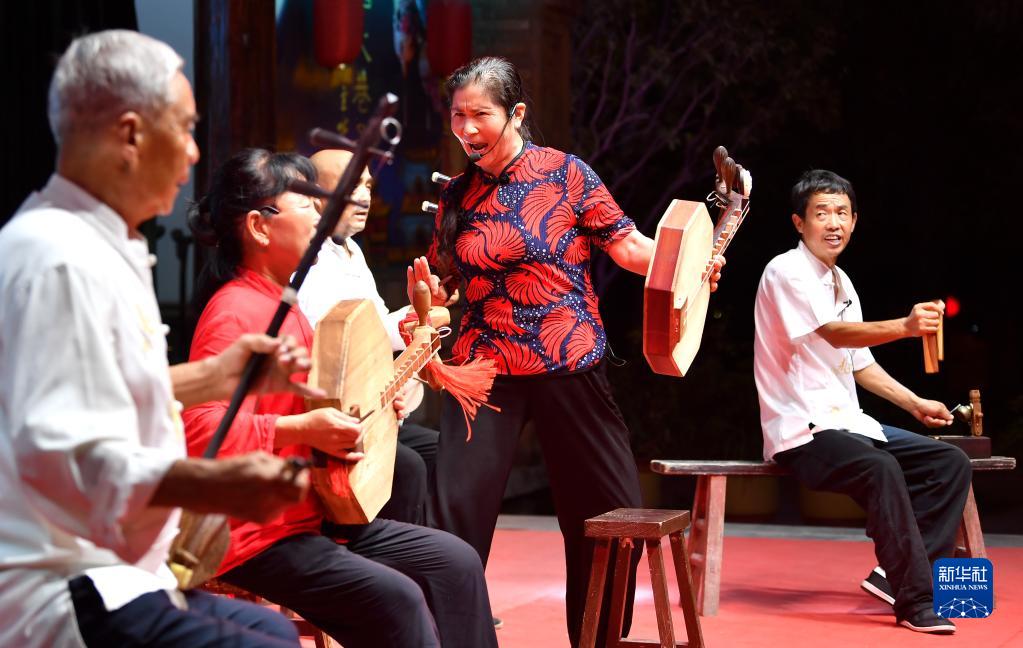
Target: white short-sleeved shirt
[(341, 273), (803, 382), (88, 424)]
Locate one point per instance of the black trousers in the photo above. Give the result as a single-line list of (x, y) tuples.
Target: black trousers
[(151, 620), (413, 472), (424, 441), (912, 488), (390, 585), (586, 450)]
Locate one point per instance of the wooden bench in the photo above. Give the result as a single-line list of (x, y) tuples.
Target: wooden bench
[(707, 530)]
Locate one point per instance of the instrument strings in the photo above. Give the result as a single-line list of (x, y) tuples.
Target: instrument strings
[(731, 225)]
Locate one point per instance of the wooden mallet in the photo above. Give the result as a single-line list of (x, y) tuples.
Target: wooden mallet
[(934, 347)]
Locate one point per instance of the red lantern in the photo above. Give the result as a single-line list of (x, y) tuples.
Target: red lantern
[(952, 306), (337, 31), (448, 35)]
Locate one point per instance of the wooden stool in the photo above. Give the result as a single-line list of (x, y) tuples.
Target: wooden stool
[(625, 526), (305, 629)]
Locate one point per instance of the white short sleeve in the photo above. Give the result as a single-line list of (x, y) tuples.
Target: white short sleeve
[(802, 304)]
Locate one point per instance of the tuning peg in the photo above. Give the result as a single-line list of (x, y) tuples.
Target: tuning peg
[(326, 139), (440, 178), (745, 182), (307, 188), (429, 207), (720, 154), (728, 173)]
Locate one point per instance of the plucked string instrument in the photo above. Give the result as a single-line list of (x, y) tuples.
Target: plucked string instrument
[(352, 364), (677, 291)]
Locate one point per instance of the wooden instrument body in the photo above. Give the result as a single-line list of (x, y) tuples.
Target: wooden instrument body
[(199, 548), (675, 293), (677, 289), (352, 362)]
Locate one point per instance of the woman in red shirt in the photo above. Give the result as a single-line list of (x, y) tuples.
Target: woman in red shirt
[(382, 584), (517, 228)]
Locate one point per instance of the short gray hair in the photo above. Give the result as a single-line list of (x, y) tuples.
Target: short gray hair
[(105, 74)]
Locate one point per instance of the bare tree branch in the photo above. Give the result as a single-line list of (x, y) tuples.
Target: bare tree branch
[(657, 85)]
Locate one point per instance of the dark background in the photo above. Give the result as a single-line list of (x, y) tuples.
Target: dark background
[(919, 110)]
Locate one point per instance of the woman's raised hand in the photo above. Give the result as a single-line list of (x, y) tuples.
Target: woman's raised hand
[(420, 271)]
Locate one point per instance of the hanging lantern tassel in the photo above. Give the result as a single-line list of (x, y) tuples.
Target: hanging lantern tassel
[(469, 383), (337, 31)]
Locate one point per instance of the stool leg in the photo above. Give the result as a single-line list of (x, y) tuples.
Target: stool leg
[(616, 616), (694, 633), (595, 593), (705, 541), (659, 583), (969, 529)]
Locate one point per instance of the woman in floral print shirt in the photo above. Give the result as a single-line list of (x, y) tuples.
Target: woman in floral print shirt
[(517, 228)]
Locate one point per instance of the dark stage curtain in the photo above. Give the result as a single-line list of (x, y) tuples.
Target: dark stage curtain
[(34, 34)]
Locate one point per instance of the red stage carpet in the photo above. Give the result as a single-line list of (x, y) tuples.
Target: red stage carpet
[(774, 592)]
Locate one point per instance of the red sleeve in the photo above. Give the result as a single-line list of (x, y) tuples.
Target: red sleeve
[(600, 217), (250, 431)]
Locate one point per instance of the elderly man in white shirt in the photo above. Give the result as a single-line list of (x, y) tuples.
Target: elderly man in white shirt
[(92, 453), (341, 273), (810, 352)]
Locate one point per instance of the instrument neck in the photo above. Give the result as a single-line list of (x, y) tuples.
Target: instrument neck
[(411, 360), (732, 214)]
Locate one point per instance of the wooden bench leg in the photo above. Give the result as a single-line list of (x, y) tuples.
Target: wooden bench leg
[(706, 541), (595, 593), (970, 538), (697, 546), (684, 575), (305, 629)]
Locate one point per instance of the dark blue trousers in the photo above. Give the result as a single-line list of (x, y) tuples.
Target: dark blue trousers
[(912, 488), (152, 621)]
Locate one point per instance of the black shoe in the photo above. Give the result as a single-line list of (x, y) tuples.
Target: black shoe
[(927, 621), (877, 585), (498, 623)]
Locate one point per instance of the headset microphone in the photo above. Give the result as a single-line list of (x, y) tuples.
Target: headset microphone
[(475, 157)]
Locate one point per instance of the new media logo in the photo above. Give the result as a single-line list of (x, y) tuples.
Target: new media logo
[(963, 588)]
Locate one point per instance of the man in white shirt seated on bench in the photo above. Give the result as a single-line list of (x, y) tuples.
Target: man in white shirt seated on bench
[(810, 352)]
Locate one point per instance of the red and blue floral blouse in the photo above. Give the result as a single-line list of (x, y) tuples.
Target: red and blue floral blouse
[(523, 249)]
